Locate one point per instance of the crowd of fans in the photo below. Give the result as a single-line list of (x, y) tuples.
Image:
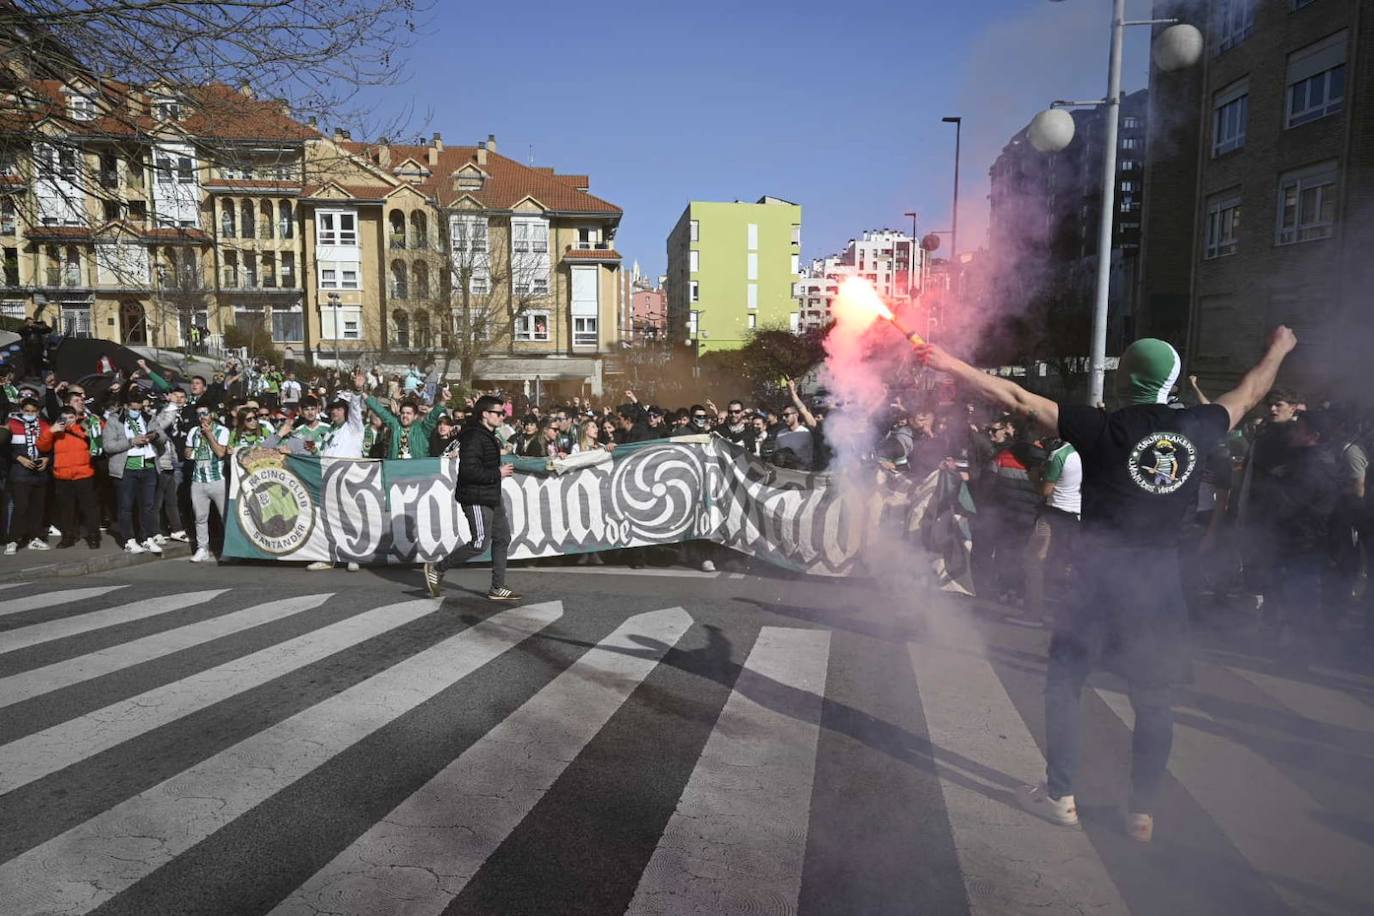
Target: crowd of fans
[(1281, 520)]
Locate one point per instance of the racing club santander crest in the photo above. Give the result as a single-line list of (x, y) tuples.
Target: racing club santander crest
[(274, 508)]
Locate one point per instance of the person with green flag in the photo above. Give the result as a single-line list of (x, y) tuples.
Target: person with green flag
[(1125, 609)]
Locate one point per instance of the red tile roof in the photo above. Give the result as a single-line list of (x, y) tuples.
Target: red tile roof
[(354, 191), (508, 182), (591, 254), (74, 233), (215, 111), (175, 234)]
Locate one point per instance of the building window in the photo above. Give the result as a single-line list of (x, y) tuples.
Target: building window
[(288, 325), (530, 255), (167, 110), (348, 278), (247, 221), (226, 219), (1128, 165), (693, 323), (401, 321), (265, 220), (693, 261), (1307, 204), (231, 270), (11, 266), (8, 217), (1220, 234), (329, 277), (752, 266), (1130, 142), (336, 227), (288, 270), (752, 292), (796, 234), (400, 289), (796, 263), (694, 290), (81, 107), (1235, 22), (1316, 80), (1130, 122), (694, 230), (250, 270), (533, 326), (753, 320), (584, 330), (753, 232), (1230, 110), (286, 221)]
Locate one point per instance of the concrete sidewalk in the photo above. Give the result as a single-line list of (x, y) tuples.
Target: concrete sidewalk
[(80, 560)]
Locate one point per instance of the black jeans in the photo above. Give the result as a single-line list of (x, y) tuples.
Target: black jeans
[(138, 490), (28, 493), (490, 528), (76, 502)]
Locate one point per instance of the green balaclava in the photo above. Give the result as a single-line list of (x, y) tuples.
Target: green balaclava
[(1148, 371)]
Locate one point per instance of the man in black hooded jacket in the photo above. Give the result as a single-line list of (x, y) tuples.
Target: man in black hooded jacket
[(478, 492)]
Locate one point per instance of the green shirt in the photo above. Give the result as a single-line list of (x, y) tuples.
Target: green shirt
[(406, 441), (209, 467)]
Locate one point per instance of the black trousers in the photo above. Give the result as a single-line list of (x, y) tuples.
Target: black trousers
[(28, 493), (77, 504), (490, 528)]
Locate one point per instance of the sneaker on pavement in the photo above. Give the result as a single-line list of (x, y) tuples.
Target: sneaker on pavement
[(132, 546), (1037, 800), (201, 556), (434, 580), (180, 536), (319, 565), (707, 566), (1140, 827), (39, 544), (11, 549), (501, 593), (152, 546), (159, 539), (53, 532), (352, 567)]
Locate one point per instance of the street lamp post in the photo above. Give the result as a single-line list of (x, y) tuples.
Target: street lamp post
[(334, 300), (1050, 131), (911, 259), (958, 123)]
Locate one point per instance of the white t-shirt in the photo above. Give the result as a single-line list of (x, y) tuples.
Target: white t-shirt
[(1065, 471), (290, 391)]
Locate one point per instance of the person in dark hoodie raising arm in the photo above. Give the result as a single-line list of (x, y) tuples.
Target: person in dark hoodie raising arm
[(480, 473)]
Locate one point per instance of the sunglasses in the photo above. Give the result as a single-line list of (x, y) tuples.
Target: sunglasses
[(698, 416)]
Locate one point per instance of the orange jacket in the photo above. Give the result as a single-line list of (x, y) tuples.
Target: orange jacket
[(71, 453)]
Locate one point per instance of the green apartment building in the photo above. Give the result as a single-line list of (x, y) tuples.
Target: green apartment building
[(731, 268)]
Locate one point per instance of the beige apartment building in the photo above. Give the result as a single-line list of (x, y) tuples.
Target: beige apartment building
[(139, 214)]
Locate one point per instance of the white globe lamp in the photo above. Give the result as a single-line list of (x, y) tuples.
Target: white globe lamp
[(1177, 47), (1051, 130)]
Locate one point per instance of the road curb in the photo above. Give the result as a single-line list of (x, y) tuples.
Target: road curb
[(170, 551)]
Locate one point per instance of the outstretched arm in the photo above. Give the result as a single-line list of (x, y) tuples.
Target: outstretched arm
[(1201, 398), (807, 416), (1255, 384), (1040, 411)]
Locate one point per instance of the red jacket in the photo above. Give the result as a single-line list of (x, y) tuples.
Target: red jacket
[(18, 442), (71, 459)]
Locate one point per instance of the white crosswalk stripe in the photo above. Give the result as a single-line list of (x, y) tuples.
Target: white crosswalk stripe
[(80, 869), (1265, 815), (737, 841), (51, 599), (25, 637), (421, 855), (1311, 701), (28, 684), (48, 751), (1011, 861)]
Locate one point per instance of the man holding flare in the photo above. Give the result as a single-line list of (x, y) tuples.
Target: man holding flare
[(1125, 610)]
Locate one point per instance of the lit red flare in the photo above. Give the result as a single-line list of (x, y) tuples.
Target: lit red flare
[(859, 305)]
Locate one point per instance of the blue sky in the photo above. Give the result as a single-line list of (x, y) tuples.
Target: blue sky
[(835, 106)]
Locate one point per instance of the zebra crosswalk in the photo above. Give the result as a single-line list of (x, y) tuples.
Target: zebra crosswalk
[(228, 750)]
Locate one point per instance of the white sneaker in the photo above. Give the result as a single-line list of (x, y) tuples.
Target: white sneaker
[(352, 567), (39, 544), (1036, 800), (180, 536), (1140, 827), (707, 566), (11, 549), (152, 546), (132, 546), (159, 539), (53, 532), (319, 566), (201, 556)]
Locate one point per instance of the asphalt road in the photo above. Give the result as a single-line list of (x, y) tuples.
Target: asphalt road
[(260, 739)]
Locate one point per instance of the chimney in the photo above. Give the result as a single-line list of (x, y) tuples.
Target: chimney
[(282, 106), (481, 152), (246, 89), (491, 143), (340, 135), (384, 153), (432, 155), (438, 142)]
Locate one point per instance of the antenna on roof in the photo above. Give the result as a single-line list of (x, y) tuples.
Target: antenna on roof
[(531, 154)]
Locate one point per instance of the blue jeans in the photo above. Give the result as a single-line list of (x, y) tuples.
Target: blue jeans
[(138, 488), (1151, 741)]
